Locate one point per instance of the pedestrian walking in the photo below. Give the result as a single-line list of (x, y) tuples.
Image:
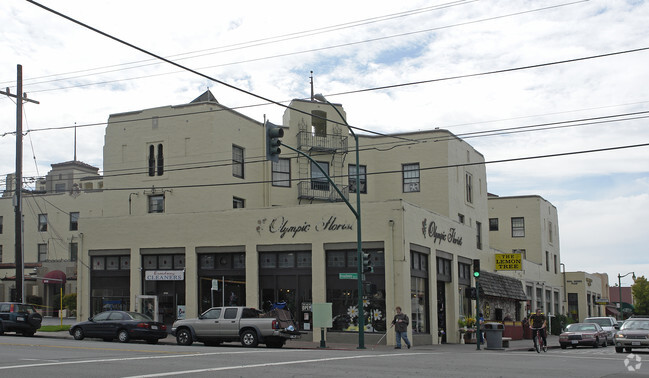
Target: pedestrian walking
[(400, 323)]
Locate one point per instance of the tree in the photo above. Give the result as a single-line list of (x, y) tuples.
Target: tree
[(640, 290)]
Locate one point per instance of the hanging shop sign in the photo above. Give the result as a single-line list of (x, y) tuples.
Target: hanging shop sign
[(509, 261), (164, 275)]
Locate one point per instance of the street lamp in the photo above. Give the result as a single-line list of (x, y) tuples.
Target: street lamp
[(357, 213), (619, 283)]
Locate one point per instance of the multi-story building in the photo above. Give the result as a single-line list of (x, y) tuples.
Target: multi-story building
[(585, 293), (529, 226), (189, 214)]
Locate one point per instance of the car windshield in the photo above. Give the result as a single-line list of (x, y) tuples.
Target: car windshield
[(138, 316), (636, 325), (601, 322)]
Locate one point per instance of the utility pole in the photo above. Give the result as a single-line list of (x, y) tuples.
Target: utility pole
[(20, 97)]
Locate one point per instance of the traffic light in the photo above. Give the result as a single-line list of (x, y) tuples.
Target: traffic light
[(476, 268), (367, 263), (273, 133)]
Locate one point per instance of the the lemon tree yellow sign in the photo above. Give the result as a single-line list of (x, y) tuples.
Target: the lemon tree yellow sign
[(509, 261)]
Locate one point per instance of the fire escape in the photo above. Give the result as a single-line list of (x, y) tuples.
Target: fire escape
[(321, 147)]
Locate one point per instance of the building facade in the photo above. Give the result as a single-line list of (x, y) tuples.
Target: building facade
[(189, 214)]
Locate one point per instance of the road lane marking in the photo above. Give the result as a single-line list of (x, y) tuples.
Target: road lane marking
[(95, 348), (269, 364), (121, 359)]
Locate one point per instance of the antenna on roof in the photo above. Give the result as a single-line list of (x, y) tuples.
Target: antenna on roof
[(312, 98)]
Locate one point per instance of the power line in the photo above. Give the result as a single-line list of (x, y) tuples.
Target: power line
[(260, 42), (317, 49), (392, 144)]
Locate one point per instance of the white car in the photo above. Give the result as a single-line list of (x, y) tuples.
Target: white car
[(608, 323)]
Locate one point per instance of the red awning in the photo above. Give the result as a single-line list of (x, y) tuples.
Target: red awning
[(54, 277), (610, 310)]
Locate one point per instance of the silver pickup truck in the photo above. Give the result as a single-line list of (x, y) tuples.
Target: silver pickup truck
[(226, 324)]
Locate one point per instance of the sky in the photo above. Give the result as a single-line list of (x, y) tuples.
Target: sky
[(514, 78)]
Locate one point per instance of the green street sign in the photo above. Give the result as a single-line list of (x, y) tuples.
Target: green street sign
[(348, 276)]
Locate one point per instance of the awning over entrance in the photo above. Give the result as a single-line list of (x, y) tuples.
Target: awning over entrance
[(54, 277), (495, 285), (610, 310)]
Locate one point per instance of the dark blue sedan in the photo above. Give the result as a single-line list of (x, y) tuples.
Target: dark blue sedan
[(120, 325)]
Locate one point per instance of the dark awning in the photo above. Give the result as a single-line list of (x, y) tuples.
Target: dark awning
[(54, 277), (495, 285)]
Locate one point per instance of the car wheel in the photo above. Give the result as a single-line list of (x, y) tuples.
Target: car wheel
[(122, 336), (77, 333), (249, 338), (619, 350), (184, 337)]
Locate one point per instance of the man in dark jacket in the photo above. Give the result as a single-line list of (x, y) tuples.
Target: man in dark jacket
[(400, 323)]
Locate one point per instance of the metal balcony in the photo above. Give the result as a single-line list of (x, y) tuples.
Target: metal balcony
[(330, 143), (320, 190)]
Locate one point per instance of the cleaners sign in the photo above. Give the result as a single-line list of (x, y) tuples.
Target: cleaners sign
[(509, 261)]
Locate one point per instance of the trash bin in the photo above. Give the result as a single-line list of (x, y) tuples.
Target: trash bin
[(494, 335)]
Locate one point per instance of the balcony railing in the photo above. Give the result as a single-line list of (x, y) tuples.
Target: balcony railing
[(320, 190), (330, 143)]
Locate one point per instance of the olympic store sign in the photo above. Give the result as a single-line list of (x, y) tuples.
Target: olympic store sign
[(164, 275)]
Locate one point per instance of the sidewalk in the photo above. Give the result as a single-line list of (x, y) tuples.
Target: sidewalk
[(514, 345)]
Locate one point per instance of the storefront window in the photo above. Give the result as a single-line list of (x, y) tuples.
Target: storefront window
[(342, 291), (222, 280), (285, 282), (419, 298)]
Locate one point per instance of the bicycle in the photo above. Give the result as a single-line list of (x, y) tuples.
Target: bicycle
[(538, 341)]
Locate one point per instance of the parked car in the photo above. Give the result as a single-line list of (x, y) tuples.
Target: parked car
[(634, 334), (577, 334), (120, 325), (247, 325), (20, 318), (608, 323)]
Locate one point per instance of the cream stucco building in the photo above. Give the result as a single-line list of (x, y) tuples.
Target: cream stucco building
[(189, 214)]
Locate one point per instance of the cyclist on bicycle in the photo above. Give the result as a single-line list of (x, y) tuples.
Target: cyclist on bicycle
[(538, 323)]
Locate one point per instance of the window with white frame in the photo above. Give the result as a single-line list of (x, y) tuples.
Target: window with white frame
[(518, 227), (362, 178), (282, 172), (468, 180), (237, 161), (74, 251), (42, 252), (42, 222), (157, 203), (318, 179), (410, 177), (74, 221), (156, 159), (238, 203)]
